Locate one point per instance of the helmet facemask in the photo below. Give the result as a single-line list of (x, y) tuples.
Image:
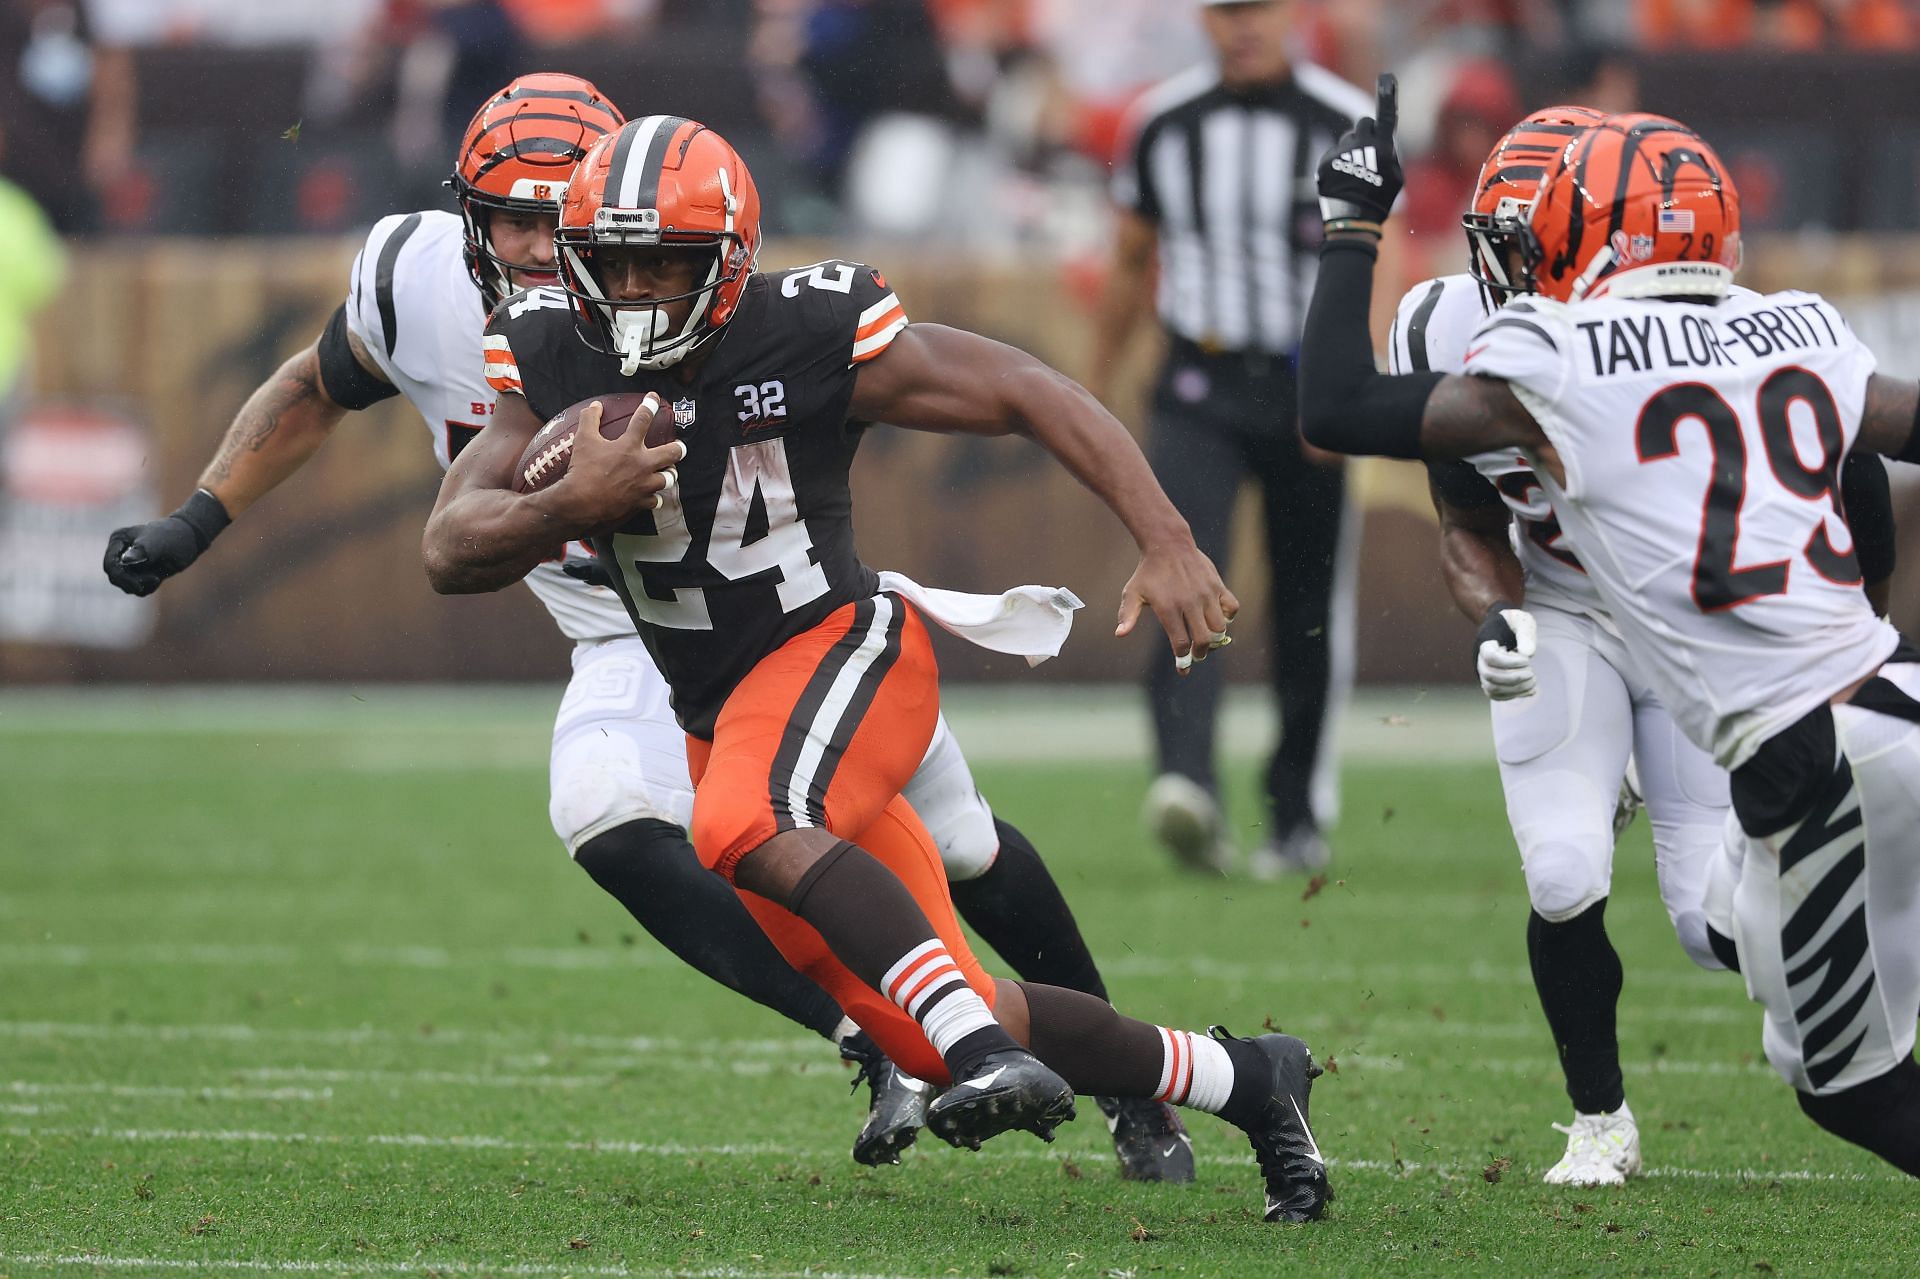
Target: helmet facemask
[(492, 272), (1495, 248), (640, 332)]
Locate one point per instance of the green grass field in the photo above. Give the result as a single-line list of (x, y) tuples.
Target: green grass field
[(305, 985)]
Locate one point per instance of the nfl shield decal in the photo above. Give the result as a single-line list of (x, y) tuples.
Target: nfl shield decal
[(683, 414)]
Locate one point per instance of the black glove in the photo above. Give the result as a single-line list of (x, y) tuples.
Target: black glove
[(1360, 178), (142, 556), (588, 569)]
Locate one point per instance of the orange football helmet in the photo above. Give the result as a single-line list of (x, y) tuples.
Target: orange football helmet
[(1637, 206), (664, 181), (517, 154), (1503, 197)]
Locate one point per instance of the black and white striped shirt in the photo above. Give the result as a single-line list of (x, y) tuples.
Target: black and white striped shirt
[(1228, 178)]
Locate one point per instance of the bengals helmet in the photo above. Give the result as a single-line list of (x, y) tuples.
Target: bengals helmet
[(516, 155), (1638, 206), (1503, 197), (668, 182)]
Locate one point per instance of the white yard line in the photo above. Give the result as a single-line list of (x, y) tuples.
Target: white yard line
[(381, 727), (354, 1266), (33, 1088), (676, 1150), (1290, 974)]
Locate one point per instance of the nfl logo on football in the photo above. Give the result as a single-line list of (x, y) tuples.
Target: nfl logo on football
[(683, 414)]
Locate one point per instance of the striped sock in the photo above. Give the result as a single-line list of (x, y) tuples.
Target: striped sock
[(929, 987), (1194, 1071)]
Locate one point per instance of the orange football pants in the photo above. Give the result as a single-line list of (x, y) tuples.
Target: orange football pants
[(823, 733)]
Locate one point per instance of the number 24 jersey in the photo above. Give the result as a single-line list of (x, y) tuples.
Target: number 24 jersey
[(1701, 446), (755, 544)]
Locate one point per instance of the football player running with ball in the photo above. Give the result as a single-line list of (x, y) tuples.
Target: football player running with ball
[(806, 681), (1570, 706), (1689, 438), (620, 795)]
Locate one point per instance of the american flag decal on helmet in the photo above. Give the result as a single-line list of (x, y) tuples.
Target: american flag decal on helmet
[(1677, 220)]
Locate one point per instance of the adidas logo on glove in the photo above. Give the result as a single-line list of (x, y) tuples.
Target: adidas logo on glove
[(1362, 163)]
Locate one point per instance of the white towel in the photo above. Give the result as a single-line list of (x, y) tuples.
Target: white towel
[(1027, 621)]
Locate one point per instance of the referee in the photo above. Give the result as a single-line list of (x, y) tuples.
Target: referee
[(1216, 179)]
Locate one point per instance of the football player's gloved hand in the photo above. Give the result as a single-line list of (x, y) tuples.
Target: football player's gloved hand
[(1505, 645), (586, 568), (142, 556), (1360, 178)]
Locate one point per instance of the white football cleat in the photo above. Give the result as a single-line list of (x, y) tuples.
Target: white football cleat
[(1185, 819), (1602, 1150)]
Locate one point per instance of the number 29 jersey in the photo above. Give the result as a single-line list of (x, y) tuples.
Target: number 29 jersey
[(755, 544), (1701, 447)]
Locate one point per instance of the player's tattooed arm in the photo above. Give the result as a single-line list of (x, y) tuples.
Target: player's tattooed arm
[(934, 378), (281, 425), (1476, 557)]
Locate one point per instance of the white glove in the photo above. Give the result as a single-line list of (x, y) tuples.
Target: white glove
[(1505, 660)]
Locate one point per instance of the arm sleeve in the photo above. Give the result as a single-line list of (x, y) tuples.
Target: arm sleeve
[(1869, 506), (345, 380), (1346, 404), (1461, 485)]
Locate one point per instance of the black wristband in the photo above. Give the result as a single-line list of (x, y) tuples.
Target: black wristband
[(1351, 243), (1496, 628), (205, 515)]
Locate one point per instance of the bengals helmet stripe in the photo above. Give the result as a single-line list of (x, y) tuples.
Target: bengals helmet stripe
[(516, 155), (1640, 206), (1504, 195)]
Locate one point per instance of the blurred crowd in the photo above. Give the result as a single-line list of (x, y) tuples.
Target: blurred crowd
[(903, 117)]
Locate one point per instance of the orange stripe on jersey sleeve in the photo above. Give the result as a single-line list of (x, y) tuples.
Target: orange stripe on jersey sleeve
[(505, 382)]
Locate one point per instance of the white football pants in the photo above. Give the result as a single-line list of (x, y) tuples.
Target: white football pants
[(1563, 753), (619, 756), (1826, 914)]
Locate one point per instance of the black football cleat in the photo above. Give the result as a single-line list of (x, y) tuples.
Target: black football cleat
[(1290, 1159), (897, 1105), (1149, 1139), (1009, 1089)]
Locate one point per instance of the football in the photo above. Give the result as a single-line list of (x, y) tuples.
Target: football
[(551, 449)]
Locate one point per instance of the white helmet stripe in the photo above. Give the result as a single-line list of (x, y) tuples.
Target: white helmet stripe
[(629, 180)]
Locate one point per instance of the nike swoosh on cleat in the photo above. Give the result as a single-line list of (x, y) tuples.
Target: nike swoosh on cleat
[(983, 1081), (1168, 1152), (1315, 1155)]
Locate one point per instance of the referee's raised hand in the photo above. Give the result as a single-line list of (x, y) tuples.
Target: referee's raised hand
[(1360, 178)]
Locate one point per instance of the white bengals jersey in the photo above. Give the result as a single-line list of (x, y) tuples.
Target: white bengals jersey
[(1436, 320), (415, 308), (1701, 447)]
